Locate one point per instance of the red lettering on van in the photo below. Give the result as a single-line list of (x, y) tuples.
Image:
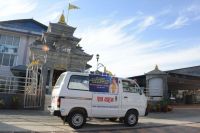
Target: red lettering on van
[(100, 99)]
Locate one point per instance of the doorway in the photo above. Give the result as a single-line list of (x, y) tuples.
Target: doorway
[(56, 75)]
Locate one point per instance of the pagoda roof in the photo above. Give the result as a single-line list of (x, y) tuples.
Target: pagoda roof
[(79, 51), (71, 38), (61, 28)]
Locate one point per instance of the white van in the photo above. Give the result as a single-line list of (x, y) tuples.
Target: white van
[(78, 96)]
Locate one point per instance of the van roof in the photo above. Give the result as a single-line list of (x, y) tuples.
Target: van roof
[(87, 74)]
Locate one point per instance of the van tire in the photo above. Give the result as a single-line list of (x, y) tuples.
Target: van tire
[(76, 119), (113, 119), (121, 119), (131, 118)]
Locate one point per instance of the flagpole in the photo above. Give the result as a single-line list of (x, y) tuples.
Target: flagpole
[(68, 13)]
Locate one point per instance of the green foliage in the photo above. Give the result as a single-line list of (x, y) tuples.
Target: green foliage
[(162, 106), (15, 102), (2, 103), (164, 102), (15, 99)]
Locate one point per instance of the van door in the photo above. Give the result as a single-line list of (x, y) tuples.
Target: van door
[(76, 93), (130, 96), (105, 97)]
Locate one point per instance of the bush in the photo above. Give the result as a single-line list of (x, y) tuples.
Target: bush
[(165, 105), (162, 106), (15, 102), (2, 103)]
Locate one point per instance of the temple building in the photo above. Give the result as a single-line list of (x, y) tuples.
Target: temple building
[(59, 51)]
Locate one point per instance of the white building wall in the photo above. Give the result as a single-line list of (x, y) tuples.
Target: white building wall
[(23, 50)]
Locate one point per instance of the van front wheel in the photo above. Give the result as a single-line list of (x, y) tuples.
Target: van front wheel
[(76, 119), (131, 118)]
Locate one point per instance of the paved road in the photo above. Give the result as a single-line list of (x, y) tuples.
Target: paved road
[(181, 120)]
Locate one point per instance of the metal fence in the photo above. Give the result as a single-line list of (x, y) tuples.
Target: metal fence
[(12, 84), (33, 89), (30, 86)]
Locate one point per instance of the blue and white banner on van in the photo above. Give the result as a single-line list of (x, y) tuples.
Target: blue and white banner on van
[(102, 83)]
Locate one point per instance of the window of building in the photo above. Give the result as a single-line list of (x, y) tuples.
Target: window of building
[(78, 82), (130, 86), (8, 49)]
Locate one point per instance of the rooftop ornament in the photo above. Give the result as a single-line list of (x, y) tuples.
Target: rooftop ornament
[(62, 19)]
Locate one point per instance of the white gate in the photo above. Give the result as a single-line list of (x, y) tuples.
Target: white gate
[(33, 87)]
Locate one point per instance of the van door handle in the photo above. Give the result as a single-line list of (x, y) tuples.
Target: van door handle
[(125, 97)]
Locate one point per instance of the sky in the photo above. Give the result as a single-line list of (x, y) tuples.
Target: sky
[(131, 36)]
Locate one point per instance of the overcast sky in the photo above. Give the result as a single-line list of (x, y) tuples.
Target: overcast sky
[(131, 36)]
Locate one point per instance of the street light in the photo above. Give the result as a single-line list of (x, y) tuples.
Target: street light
[(97, 57), (99, 65), (45, 48)]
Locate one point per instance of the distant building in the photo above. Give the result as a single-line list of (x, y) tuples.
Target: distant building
[(181, 85), (15, 39)]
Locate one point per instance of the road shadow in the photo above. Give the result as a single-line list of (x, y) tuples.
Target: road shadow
[(179, 114), (93, 126), (24, 112), (8, 128)]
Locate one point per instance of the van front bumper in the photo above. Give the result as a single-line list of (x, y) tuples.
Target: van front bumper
[(56, 113)]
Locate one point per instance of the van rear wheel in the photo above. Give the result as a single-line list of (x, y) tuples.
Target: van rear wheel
[(76, 119), (131, 118)]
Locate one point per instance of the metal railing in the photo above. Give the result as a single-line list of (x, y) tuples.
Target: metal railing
[(13, 84), (30, 86)]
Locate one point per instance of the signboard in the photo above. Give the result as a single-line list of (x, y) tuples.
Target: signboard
[(107, 84)]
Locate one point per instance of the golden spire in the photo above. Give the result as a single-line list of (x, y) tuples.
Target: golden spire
[(62, 19), (156, 68)]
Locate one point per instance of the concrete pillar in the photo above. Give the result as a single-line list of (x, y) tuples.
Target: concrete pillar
[(51, 79), (44, 73)]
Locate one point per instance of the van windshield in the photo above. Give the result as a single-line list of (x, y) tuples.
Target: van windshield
[(60, 79)]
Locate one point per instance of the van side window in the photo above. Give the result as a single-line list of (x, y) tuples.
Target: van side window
[(78, 82), (129, 86)]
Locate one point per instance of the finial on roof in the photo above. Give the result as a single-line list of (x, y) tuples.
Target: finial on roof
[(62, 19), (156, 68)]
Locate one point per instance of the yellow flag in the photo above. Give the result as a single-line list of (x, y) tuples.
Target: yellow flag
[(71, 7)]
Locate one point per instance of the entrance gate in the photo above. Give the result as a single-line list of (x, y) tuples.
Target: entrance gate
[(33, 87)]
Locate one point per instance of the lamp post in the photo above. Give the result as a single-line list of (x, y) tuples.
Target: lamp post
[(97, 57), (45, 48), (99, 65)]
